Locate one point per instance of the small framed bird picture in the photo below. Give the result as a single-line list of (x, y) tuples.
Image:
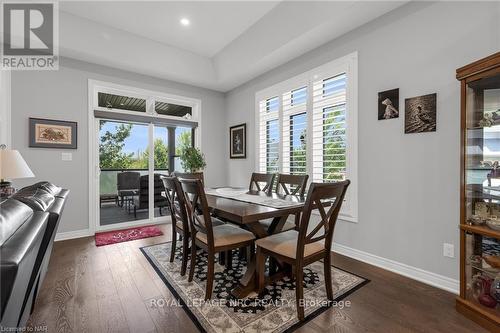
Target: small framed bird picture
[(420, 114)]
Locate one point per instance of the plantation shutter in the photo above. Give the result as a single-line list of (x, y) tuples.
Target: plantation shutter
[(269, 138), (294, 131), (329, 129)]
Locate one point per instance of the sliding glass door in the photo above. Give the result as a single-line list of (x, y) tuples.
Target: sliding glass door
[(129, 153), (124, 172)]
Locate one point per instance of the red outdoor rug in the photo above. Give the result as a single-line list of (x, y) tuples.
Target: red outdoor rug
[(125, 235)]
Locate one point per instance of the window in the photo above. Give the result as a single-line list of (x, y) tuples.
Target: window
[(170, 109), (120, 102), (272, 104), (173, 120), (308, 125), (272, 146), (270, 138), (329, 129), (298, 130), (298, 96)]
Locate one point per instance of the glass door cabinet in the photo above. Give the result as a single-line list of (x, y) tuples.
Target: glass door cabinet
[(479, 297)]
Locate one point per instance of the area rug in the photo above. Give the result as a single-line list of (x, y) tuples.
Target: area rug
[(125, 235), (275, 311)]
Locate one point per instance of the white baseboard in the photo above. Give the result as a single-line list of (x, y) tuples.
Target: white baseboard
[(72, 234), (433, 279)]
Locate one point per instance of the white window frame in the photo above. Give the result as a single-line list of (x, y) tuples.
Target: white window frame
[(349, 65), (94, 87)]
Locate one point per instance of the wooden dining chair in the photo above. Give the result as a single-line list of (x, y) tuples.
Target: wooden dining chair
[(261, 182), (294, 185), (190, 175), (212, 239), (303, 247), (291, 184), (180, 221)]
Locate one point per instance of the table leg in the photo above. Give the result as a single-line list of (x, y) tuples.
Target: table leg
[(248, 283)]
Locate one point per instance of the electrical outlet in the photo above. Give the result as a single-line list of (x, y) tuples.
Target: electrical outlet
[(449, 250), (66, 156)]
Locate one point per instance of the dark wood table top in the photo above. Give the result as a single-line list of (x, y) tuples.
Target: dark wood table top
[(245, 212)]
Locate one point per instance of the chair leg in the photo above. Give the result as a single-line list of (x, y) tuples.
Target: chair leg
[(135, 212), (248, 253), (299, 291), (229, 259), (222, 258), (193, 259), (297, 221), (260, 269), (210, 276), (174, 244), (327, 262), (185, 251), (272, 266)]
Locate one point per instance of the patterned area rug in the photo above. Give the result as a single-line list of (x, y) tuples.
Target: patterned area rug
[(125, 235), (275, 311)]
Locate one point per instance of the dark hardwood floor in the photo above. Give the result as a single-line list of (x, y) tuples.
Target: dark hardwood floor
[(111, 288)]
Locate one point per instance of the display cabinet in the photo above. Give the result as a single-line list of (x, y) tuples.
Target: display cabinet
[(479, 297)]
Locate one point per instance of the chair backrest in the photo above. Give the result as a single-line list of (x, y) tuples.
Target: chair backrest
[(143, 198), (291, 184), (261, 182), (128, 180), (194, 193), (317, 197), (176, 201), (190, 175)]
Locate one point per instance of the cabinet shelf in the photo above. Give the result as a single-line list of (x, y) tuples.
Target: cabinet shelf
[(482, 230)]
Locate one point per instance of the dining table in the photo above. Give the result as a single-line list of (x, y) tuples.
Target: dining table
[(246, 208)]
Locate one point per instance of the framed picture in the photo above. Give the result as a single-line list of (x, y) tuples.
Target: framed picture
[(238, 141), (48, 133), (420, 114), (388, 104)]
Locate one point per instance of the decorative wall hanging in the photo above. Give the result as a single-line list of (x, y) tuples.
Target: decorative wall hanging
[(47, 133), (420, 114), (238, 141), (388, 104)]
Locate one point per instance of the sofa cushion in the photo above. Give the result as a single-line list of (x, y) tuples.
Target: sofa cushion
[(47, 187), (51, 188), (227, 234), (285, 244), (12, 215), (37, 199)]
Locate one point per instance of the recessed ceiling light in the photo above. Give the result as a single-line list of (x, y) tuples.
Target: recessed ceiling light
[(185, 22)]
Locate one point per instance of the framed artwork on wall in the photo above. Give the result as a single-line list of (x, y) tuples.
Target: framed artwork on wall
[(420, 114), (49, 133), (238, 141), (388, 104)]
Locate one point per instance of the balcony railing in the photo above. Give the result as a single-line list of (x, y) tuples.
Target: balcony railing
[(108, 178)]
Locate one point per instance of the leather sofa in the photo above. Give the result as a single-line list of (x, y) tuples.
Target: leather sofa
[(28, 222)]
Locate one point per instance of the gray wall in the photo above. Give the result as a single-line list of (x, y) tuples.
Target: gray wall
[(408, 184), (63, 95)]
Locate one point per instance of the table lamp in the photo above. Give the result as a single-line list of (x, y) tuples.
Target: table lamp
[(12, 166)]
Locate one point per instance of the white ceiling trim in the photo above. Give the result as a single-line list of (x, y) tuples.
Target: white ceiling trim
[(281, 34)]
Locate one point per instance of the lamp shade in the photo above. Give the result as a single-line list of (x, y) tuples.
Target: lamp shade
[(12, 165)]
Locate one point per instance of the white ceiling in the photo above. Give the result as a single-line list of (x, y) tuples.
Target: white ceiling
[(227, 44), (213, 24)]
